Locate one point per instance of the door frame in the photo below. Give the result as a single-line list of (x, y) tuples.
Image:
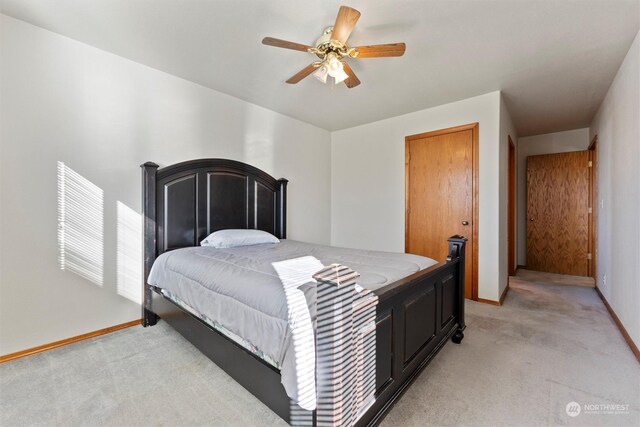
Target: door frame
[(593, 203), (511, 213), (472, 250)]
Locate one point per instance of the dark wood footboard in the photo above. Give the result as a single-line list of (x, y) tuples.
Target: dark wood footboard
[(416, 316)]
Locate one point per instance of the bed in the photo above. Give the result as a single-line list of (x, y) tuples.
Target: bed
[(416, 314)]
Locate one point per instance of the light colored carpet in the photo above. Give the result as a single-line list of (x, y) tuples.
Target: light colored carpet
[(519, 364)]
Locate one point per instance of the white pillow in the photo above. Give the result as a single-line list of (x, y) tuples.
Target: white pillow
[(232, 238)]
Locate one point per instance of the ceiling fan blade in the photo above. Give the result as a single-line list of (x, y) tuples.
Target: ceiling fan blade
[(345, 21), (381, 50), (301, 74), (270, 41), (352, 81)]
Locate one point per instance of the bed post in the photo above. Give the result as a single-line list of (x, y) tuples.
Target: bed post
[(457, 245), (282, 209), (149, 169)]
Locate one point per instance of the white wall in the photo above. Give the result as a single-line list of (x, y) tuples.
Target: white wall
[(506, 129), (103, 116), (367, 182), (617, 125), (559, 142)]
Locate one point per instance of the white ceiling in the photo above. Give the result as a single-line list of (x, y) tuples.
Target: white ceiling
[(553, 60)]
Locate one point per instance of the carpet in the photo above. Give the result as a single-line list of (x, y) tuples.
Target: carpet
[(519, 365)]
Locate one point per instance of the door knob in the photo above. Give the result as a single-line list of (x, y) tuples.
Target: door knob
[(465, 222)]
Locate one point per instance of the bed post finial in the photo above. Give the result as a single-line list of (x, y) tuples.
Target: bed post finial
[(149, 170), (457, 245)]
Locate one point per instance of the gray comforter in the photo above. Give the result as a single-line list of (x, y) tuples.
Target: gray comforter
[(239, 288)]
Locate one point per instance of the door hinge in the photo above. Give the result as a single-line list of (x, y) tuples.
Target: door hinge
[(588, 256), (590, 164), (590, 210)]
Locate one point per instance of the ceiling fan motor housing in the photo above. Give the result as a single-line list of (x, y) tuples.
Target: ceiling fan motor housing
[(325, 38), (325, 45)]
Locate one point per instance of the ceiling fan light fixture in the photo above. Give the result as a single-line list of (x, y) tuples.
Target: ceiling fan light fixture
[(340, 76), (321, 73), (334, 65), (335, 68)]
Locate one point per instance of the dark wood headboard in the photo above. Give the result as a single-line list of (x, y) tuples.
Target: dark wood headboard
[(185, 202)]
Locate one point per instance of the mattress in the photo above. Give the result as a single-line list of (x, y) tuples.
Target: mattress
[(238, 291)]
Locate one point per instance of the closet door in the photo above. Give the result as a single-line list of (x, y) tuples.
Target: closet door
[(440, 194)]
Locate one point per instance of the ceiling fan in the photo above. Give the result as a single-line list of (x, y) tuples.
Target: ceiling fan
[(332, 49)]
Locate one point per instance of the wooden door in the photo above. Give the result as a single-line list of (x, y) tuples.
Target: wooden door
[(557, 213), (440, 195)]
